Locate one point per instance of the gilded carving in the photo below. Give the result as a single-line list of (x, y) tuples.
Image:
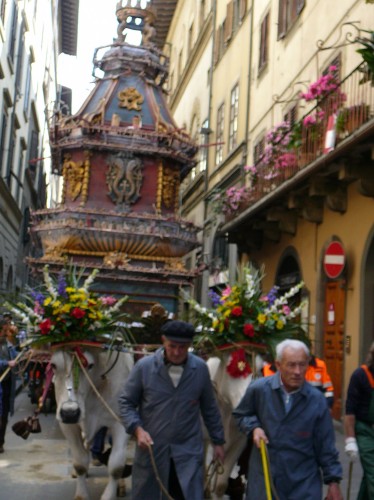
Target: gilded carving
[(76, 176), (130, 98), (124, 178), (116, 259), (170, 188)]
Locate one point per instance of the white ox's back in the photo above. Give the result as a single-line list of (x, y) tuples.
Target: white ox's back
[(87, 399), (229, 391)]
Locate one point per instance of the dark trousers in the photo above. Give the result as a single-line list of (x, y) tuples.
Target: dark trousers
[(175, 489), (6, 385)]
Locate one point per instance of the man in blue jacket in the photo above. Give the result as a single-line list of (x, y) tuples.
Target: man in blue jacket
[(8, 385), (293, 419), (162, 402)]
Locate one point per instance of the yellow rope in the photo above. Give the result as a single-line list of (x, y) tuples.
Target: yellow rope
[(265, 466)]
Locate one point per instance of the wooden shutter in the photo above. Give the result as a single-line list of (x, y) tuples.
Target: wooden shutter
[(242, 8), (300, 6), (282, 18), (264, 42), (229, 21), (216, 46)]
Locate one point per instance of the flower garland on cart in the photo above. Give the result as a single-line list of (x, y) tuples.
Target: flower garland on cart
[(243, 318), (63, 309)]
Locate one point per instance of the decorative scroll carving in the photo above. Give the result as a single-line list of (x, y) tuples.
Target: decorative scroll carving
[(124, 178), (170, 188), (130, 98), (116, 259), (149, 31), (76, 176)]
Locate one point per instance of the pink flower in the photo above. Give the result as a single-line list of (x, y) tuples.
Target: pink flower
[(108, 301), (286, 310)]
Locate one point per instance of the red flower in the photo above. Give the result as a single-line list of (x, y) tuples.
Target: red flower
[(237, 311), (78, 313), (238, 366), (248, 330), (45, 326)]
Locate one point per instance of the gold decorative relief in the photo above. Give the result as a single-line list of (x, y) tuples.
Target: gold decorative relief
[(116, 259), (130, 98), (124, 178), (76, 176), (170, 188)]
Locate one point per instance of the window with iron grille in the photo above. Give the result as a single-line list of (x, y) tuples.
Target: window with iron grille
[(219, 133), (258, 150), (290, 116), (289, 11), (234, 111), (264, 34)]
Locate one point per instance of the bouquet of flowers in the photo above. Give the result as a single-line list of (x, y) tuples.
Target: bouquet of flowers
[(64, 309), (243, 314)]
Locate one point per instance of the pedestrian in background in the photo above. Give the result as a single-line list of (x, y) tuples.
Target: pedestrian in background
[(163, 401), (8, 352), (293, 420), (359, 423)]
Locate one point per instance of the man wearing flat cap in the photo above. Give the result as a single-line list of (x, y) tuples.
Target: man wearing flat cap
[(161, 405)]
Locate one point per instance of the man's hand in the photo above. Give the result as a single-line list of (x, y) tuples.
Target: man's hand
[(333, 492), (218, 453), (258, 436), (12, 363), (351, 448), (143, 438)]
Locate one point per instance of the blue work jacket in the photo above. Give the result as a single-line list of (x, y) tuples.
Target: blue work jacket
[(172, 417), (301, 442)]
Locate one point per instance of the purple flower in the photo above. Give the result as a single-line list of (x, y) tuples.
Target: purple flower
[(214, 297), (37, 296), (61, 285)]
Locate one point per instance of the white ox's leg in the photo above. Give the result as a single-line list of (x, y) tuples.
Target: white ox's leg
[(117, 460), (81, 458)]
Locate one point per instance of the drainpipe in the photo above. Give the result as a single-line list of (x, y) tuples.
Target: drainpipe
[(206, 239)]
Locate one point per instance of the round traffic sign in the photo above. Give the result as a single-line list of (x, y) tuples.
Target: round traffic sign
[(334, 260)]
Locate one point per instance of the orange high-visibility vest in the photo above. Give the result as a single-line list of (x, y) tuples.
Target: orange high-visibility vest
[(318, 376)]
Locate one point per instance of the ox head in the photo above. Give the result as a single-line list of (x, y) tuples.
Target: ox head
[(72, 386)]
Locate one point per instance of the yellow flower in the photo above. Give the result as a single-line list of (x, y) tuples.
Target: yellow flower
[(70, 289), (279, 324), (47, 301), (65, 308), (215, 324), (56, 304), (261, 318)]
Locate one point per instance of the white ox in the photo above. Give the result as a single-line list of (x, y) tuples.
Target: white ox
[(81, 412), (229, 393)]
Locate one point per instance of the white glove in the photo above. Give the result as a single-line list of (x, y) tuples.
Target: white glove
[(351, 448)]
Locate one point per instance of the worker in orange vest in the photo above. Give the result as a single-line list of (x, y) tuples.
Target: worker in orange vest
[(316, 374)]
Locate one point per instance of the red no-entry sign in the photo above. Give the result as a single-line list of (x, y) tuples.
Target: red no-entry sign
[(334, 260)]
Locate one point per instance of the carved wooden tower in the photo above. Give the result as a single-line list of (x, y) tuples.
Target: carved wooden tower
[(122, 159)]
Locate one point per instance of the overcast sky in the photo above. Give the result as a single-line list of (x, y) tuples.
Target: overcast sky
[(97, 26)]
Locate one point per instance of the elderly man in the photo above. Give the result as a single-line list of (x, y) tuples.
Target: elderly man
[(161, 404), (293, 419)]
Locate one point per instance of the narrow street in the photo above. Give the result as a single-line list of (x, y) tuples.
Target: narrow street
[(39, 468)]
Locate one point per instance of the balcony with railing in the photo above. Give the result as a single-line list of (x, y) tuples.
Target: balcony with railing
[(337, 123)]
